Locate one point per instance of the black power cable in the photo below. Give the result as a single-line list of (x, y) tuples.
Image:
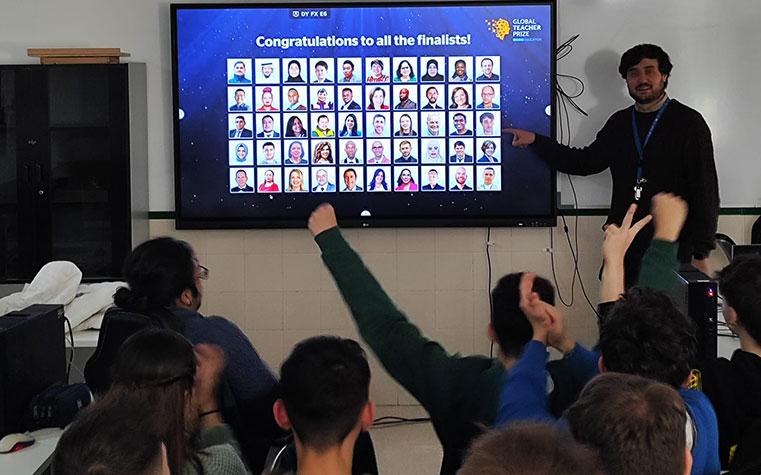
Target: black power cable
[(564, 100)]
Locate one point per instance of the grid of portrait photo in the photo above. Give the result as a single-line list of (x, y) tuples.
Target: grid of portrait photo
[(372, 124)]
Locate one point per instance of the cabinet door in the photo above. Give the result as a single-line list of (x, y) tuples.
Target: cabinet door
[(88, 171), (10, 252)]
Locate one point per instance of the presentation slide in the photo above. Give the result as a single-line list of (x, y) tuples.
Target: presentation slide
[(391, 113)]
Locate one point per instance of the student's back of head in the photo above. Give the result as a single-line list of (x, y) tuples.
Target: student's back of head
[(156, 368), (511, 327), (325, 391), (740, 286), (636, 424), (645, 334), (108, 439), (529, 449), (157, 272)]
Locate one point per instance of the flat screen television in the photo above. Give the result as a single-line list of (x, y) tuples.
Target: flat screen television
[(392, 112)]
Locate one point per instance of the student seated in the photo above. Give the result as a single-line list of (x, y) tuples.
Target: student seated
[(643, 333), (325, 402), (166, 282), (460, 393), (525, 448), (174, 385), (637, 425), (734, 385)]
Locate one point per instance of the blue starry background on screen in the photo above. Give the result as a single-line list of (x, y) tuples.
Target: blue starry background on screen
[(207, 37)]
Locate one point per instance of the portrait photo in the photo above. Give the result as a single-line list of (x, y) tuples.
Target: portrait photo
[(267, 70), (379, 179), (488, 178), (488, 68), (352, 179), (351, 152), (267, 98), (321, 70), (268, 180), (433, 178), (460, 178), (295, 70), (433, 68), (241, 153), (239, 70), (296, 179), (239, 99), (350, 70), (460, 68), (239, 180)]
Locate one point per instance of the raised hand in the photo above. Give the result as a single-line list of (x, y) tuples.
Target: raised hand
[(210, 361), (618, 239), (322, 219), (670, 213)]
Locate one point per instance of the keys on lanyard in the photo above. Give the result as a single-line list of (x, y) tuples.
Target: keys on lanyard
[(638, 189)]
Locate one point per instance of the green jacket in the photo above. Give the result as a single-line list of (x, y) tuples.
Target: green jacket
[(460, 393)]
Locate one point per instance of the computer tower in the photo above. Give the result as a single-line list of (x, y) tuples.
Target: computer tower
[(32, 357), (698, 300)]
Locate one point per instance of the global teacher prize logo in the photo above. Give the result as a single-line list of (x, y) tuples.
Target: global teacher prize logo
[(521, 29)]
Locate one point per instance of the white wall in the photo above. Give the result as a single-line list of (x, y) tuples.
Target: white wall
[(713, 44), (140, 28)]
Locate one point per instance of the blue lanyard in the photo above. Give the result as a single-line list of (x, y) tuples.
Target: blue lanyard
[(641, 145)]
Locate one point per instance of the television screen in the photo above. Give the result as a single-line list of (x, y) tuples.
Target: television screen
[(391, 112)]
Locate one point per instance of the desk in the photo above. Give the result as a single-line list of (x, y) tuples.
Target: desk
[(34, 459)]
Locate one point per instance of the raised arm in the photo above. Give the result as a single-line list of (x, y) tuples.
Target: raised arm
[(420, 365), (575, 161), (617, 241), (660, 260), (523, 395)]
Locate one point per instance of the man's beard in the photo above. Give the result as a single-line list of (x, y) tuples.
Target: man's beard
[(647, 96)]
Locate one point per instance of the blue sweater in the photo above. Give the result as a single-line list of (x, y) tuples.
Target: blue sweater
[(523, 395), (249, 378)]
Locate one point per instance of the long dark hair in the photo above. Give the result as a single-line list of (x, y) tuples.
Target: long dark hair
[(157, 272), (354, 132), (156, 368)]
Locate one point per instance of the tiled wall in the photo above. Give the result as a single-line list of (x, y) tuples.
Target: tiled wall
[(273, 284)]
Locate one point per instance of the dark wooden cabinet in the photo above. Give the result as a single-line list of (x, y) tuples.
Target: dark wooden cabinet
[(73, 167)]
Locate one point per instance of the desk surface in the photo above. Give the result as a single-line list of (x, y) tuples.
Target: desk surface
[(33, 459)]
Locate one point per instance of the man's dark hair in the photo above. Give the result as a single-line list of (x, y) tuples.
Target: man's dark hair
[(349, 63), (119, 440), (510, 323), (241, 118), (634, 55), (325, 386), (461, 115), (529, 448), (636, 424), (740, 286), (321, 63), (271, 144), (645, 334), (485, 115), (157, 272)]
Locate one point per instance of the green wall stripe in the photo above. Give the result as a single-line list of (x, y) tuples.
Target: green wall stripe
[(561, 212)]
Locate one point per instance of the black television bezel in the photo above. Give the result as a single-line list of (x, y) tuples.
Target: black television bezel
[(181, 222)]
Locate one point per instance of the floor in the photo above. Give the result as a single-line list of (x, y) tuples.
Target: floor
[(406, 448)]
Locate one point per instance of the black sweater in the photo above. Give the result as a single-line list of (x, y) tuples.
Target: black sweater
[(678, 158)]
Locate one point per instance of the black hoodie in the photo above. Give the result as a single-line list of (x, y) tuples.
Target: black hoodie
[(734, 388)]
